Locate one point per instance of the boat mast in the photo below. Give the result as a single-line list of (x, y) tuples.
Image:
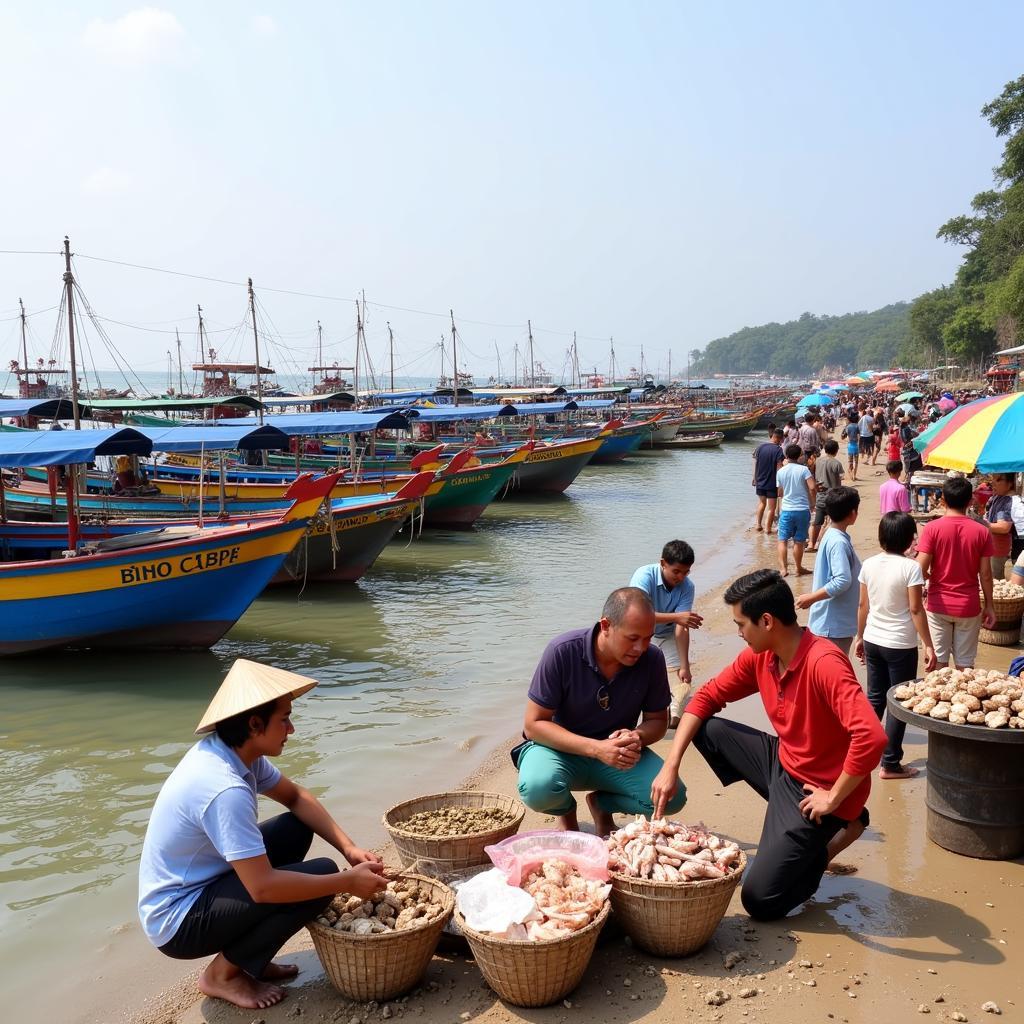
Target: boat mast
[(181, 375), (359, 341), (69, 287), (577, 380), (455, 361), (256, 340), (669, 367), (319, 345), (611, 364), (515, 367), (391, 353), (24, 343), (497, 355), (529, 331)]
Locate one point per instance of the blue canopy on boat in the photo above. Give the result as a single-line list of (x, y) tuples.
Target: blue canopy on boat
[(46, 408), (594, 403), (452, 413), (222, 438), (308, 424), (24, 448)]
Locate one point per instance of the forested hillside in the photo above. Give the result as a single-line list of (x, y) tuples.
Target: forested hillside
[(802, 347)]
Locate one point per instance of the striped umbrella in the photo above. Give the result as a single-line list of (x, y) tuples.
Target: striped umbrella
[(986, 435)]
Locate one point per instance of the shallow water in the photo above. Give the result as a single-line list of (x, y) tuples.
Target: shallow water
[(423, 665)]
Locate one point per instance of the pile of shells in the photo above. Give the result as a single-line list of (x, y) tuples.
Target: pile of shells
[(967, 696), (1004, 590), (456, 821), (402, 905), (566, 902), (669, 851)]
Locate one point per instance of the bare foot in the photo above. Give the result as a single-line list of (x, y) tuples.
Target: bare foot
[(840, 841), (903, 772), (604, 823), (279, 972), (840, 868), (223, 980), (568, 822), (804, 572), (784, 572), (760, 529)]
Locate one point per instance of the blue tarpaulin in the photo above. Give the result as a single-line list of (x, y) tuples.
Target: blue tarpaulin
[(25, 448), (307, 424), (46, 408)]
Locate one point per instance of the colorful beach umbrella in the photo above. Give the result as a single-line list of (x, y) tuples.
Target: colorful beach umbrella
[(889, 385), (986, 435), (812, 399), (907, 395)]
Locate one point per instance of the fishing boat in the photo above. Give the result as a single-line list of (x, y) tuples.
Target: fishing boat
[(734, 426), (340, 545), (711, 440), (184, 591)]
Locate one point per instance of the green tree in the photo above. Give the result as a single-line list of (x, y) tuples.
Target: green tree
[(968, 336)]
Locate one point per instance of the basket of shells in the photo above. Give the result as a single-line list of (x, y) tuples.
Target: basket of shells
[(968, 697), (1008, 604), (447, 832), (378, 948), (541, 961), (671, 884)]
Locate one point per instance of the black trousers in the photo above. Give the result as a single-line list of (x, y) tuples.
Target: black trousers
[(792, 853), (225, 919), (889, 666)]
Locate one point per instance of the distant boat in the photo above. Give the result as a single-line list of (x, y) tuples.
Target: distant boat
[(712, 440)]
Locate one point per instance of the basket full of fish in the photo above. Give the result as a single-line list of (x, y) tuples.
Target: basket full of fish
[(446, 832), (671, 883), (378, 948)]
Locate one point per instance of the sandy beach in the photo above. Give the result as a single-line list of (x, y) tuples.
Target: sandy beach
[(915, 929)]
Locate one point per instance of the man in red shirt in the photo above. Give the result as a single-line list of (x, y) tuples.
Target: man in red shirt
[(954, 551), (815, 774)]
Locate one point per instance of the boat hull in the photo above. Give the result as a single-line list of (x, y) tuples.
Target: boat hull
[(345, 557), (178, 594), (552, 470)]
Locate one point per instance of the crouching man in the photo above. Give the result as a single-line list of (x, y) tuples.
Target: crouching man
[(815, 773), (598, 700)]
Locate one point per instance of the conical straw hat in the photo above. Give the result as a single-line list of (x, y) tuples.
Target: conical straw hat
[(247, 686)]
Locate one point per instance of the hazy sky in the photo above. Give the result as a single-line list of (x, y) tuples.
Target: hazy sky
[(664, 173)]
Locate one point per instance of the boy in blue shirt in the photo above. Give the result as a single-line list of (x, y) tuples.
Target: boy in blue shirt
[(668, 585), (796, 489)]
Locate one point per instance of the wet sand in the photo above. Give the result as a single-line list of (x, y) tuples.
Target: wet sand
[(914, 927)]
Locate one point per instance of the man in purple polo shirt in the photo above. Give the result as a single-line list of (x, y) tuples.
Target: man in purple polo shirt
[(588, 694)]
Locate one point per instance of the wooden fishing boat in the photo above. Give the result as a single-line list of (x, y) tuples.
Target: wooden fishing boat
[(339, 545), (185, 592), (711, 440), (734, 427)]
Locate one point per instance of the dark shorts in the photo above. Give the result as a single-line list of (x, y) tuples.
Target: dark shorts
[(819, 517), (867, 445), (766, 492)]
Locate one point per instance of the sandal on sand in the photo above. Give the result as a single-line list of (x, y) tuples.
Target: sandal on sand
[(903, 772)]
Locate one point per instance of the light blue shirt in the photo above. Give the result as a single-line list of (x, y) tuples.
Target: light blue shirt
[(205, 816), (794, 494), (837, 570), (648, 578)]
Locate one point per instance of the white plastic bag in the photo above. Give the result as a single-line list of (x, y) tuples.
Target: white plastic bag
[(490, 904)]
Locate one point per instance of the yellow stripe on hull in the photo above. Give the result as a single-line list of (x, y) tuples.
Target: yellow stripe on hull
[(18, 584)]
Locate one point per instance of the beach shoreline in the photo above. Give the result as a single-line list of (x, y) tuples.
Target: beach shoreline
[(907, 913)]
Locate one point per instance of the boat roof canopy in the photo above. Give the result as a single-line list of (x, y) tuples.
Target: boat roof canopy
[(45, 408), (281, 401), (309, 424), (165, 403), (24, 448)]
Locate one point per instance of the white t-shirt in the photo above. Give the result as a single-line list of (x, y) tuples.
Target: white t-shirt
[(790, 480), (887, 577)]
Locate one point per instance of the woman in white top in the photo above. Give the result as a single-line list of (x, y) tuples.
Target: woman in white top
[(890, 618)]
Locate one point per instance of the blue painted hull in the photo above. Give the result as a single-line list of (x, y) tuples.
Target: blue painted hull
[(616, 447), (187, 611)]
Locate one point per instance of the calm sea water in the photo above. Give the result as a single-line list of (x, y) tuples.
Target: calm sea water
[(423, 665)]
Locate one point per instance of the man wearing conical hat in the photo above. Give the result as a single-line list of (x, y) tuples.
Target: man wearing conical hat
[(215, 880)]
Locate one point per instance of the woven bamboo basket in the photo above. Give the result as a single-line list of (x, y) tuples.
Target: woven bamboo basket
[(382, 966), (1000, 637), (673, 918), (1009, 611), (450, 853), (527, 973)]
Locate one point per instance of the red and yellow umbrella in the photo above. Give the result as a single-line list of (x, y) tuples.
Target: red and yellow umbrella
[(986, 435)]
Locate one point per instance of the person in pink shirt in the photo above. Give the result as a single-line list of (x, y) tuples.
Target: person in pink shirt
[(892, 495), (954, 552)]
